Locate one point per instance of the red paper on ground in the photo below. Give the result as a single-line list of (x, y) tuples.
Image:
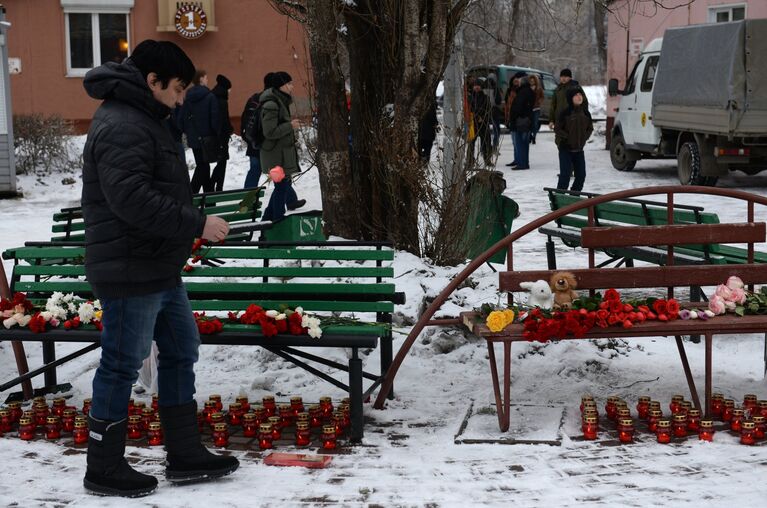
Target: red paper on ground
[(297, 459)]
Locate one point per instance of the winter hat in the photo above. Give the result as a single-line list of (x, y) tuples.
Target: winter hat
[(566, 72), (572, 92), (280, 78), (268, 80), (520, 75), (223, 82)]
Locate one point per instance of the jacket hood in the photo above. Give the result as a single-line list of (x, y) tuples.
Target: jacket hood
[(123, 82), (570, 94), (272, 94), (196, 93)]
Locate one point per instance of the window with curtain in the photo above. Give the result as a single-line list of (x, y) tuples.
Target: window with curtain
[(94, 38)]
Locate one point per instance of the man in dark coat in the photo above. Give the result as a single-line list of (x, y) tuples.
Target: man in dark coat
[(139, 228), (225, 130), (481, 108), (252, 151), (521, 122), (573, 129), (200, 120)]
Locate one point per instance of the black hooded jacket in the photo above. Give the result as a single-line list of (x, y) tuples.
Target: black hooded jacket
[(225, 129), (573, 128), (136, 199)]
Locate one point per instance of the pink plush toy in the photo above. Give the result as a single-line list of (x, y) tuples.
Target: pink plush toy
[(277, 174)]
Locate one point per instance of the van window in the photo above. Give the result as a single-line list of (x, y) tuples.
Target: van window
[(631, 83), (549, 83), (648, 77)]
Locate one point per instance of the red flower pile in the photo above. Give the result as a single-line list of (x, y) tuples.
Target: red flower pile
[(37, 324), (196, 254), (18, 299), (256, 315), (610, 311), (207, 325)]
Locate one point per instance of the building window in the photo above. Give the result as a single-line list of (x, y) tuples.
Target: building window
[(725, 13), (96, 32)]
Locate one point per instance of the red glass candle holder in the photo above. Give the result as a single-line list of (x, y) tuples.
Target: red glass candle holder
[(680, 425), (134, 427), (303, 434), (217, 399), (155, 402), (26, 429), (674, 404), (589, 406), (326, 407), (749, 402), (685, 406), (693, 420), (40, 399), (297, 405), (154, 434), (147, 417), (761, 408), (131, 407), (626, 430), (15, 408), (329, 439), (86, 406), (643, 407), (265, 441), (759, 426), (68, 420), (610, 407), (208, 410), (622, 413), (286, 415), (589, 428), (303, 418), (586, 399), (736, 420), (260, 414), (80, 434), (747, 433), (338, 422), (215, 418), (221, 435), (315, 416), (138, 408), (41, 414), (275, 421), (663, 431), (242, 400), (717, 405), (249, 425), (29, 413), (727, 407), (270, 407), (652, 422), (59, 405), (53, 427), (346, 410), (706, 430), (590, 413), (235, 414), (6, 420)]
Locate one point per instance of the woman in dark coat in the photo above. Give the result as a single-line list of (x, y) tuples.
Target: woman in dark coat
[(221, 93), (200, 119)]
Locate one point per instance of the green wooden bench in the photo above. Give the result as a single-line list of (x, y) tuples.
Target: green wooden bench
[(241, 208), (344, 278), (636, 212)]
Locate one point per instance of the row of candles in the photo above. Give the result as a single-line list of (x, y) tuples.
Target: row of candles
[(748, 421), (266, 421)]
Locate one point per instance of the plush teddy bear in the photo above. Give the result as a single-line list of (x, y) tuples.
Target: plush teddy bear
[(562, 285), (540, 294)]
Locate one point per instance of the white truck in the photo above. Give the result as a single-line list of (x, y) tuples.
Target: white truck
[(699, 95)]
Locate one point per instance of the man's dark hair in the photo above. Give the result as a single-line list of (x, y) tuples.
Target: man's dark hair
[(165, 59)]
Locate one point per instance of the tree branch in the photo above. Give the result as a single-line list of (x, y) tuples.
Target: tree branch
[(500, 40)]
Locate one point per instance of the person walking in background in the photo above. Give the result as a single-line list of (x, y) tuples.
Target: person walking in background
[(225, 130), (521, 122), (279, 145), (139, 227), (250, 124), (511, 93), (572, 130), (481, 110), (497, 112), (200, 120), (535, 85)]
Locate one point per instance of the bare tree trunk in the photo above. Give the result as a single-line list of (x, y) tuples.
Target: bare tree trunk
[(339, 196)]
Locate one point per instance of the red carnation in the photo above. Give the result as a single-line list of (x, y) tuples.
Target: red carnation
[(612, 295), (672, 306), (616, 306), (37, 323), (660, 307)]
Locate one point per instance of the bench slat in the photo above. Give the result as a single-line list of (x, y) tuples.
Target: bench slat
[(228, 271), (309, 305), (599, 237), (226, 288), (644, 277)]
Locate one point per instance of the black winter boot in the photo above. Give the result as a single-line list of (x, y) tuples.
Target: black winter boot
[(108, 473), (188, 459)]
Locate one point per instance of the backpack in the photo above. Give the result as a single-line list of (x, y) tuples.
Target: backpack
[(250, 125)]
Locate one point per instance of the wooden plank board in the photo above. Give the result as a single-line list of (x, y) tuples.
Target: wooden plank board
[(600, 237)]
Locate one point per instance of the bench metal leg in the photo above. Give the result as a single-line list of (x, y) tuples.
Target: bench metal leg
[(551, 255), (386, 350), (355, 397), (687, 373), (502, 404), (49, 356), (709, 352), (695, 297)]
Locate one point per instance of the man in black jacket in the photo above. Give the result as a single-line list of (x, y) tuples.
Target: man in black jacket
[(482, 111), (225, 130), (573, 129), (521, 122), (139, 228)]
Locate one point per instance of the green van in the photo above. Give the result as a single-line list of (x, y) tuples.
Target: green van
[(505, 73)]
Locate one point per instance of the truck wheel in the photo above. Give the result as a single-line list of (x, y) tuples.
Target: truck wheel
[(688, 166), (618, 155)]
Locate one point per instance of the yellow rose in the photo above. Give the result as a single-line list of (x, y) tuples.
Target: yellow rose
[(496, 321), (509, 315)]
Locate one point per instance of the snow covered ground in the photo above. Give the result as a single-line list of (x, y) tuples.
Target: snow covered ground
[(409, 457)]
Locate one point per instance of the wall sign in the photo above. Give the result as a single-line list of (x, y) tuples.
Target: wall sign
[(191, 21)]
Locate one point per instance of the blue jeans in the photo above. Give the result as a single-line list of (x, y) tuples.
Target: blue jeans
[(130, 324), (569, 161), (254, 173), (496, 132), (282, 195), (522, 148), (536, 123), (514, 144)]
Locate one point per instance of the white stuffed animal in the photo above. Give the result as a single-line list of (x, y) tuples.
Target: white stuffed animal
[(540, 294)]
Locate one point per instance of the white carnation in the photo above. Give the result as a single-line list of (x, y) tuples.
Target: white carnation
[(315, 332), (280, 317), (300, 310), (272, 313), (85, 312)]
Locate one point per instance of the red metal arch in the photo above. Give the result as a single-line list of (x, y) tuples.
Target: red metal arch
[(507, 242)]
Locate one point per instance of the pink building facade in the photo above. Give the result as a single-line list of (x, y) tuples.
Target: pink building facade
[(634, 23)]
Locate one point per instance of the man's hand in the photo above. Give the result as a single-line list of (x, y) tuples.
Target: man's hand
[(215, 229), (296, 123)]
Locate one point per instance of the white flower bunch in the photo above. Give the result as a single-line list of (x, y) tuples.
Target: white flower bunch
[(58, 305), (61, 307), (313, 324)]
